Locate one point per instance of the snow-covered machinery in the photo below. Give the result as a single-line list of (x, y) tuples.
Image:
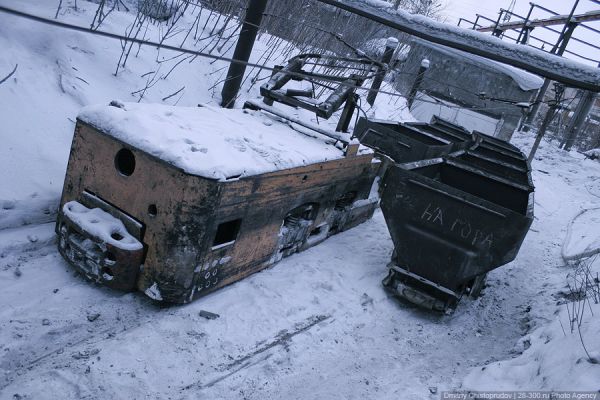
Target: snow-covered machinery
[(452, 217), (320, 83), (178, 202)]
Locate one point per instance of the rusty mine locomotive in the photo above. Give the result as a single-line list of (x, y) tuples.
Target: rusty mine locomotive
[(177, 202)]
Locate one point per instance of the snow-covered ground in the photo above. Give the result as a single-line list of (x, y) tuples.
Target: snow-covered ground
[(316, 325)]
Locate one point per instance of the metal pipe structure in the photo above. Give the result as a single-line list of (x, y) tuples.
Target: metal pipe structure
[(554, 20), (559, 48), (554, 105), (578, 121), (575, 75), (524, 34)]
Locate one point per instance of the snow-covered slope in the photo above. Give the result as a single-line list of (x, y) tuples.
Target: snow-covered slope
[(317, 325)]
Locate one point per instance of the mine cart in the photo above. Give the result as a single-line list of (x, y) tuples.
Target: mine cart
[(451, 223), (400, 142), (483, 149), (462, 133), (457, 205), (489, 145), (177, 202), (519, 173)]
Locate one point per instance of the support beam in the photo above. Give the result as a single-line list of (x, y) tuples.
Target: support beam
[(554, 105), (535, 61), (578, 121), (551, 21), (559, 48)]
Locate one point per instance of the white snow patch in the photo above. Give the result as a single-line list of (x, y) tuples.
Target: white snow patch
[(525, 80), (102, 225), (557, 359), (593, 153), (583, 235), (153, 292)]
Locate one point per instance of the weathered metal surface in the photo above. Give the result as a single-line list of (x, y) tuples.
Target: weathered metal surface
[(95, 259), (181, 216), (334, 67), (400, 143), (450, 223), (457, 205)]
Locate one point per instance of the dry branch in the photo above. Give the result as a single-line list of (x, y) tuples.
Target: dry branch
[(7, 77)]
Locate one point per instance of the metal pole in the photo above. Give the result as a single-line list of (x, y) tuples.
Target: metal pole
[(527, 121), (547, 119), (524, 30), (542, 131), (418, 80), (559, 48), (242, 52), (390, 47), (578, 121), (496, 31), (561, 45)]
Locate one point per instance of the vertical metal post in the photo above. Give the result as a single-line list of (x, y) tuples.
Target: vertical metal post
[(542, 92), (559, 48), (476, 22), (542, 131), (525, 30), (578, 120), (496, 31), (527, 121), (554, 104), (418, 80), (243, 49), (390, 47), (579, 117)]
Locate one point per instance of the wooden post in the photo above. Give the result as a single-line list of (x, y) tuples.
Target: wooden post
[(390, 47), (347, 113), (242, 52), (418, 80)]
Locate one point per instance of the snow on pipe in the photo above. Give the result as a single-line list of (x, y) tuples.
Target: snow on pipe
[(537, 61)]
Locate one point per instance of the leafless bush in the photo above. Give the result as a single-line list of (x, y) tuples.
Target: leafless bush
[(288, 28), (583, 289)]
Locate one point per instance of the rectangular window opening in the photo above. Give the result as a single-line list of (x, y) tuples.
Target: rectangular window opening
[(227, 233)]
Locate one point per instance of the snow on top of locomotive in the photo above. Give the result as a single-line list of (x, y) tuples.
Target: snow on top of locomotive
[(210, 142)]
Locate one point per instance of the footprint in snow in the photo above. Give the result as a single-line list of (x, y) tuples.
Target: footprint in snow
[(237, 144), (8, 204), (196, 149)]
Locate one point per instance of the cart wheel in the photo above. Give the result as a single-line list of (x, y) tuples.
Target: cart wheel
[(477, 285)]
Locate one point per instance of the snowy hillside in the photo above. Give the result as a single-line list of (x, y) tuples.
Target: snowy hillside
[(316, 325)]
